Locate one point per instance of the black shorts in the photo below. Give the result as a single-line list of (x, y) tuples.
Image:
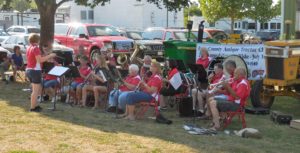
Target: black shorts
[(224, 106), (34, 76), (170, 91)]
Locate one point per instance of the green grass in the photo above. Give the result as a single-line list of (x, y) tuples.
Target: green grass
[(73, 129)]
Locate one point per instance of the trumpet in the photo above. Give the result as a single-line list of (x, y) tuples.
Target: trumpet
[(213, 87)]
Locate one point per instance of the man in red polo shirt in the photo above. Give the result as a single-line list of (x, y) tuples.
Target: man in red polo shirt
[(238, 94)]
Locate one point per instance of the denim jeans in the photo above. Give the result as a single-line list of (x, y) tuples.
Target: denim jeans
[(135, 97), (118, 96)]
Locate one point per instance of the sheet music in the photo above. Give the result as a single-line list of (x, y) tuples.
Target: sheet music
[(58, 71), (102, 75), (176, 81)]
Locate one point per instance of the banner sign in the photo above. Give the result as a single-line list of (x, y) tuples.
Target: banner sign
[(253, 55)]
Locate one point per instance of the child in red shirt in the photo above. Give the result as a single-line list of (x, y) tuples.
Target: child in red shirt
[(78, 82)]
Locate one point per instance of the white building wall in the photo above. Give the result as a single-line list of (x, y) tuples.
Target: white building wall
[(128, 14)]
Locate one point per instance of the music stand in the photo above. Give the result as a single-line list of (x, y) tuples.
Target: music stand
[(70, 75), (64, 58), (181, 66), (200, 76), (47, 66), (57, 71)]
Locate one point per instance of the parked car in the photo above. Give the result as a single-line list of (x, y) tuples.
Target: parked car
[(154, 48), (3, 54), (3, 35), (250, 38), (22, 41), (164, 34), (88, 39), (268, 35), (217, 35), (16, 30)]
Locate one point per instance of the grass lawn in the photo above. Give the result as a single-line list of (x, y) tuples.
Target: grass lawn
[(74, 129)]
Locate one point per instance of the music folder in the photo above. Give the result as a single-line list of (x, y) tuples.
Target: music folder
[(58, 71)]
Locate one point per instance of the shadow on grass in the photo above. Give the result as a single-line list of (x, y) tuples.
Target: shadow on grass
[(98, 119)]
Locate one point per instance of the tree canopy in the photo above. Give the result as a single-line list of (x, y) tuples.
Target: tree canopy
[(258, 10), (262, 11)]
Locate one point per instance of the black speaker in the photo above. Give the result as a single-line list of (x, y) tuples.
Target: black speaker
[(185, 107), (275, 68)]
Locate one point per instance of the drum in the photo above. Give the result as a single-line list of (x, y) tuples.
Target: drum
[(238, 61)]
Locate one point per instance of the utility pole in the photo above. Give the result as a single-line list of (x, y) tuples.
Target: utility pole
[(167, 5)]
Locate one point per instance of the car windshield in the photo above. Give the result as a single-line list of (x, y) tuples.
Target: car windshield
[(102, 31), (134, 35), (153, 35), (183, 35), (33, 30), (3, 33)]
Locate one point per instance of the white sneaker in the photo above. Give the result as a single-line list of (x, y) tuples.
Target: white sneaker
[(67, 99), (53, 100)]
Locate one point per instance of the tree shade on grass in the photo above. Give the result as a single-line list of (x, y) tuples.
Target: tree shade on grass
[(73, 129)]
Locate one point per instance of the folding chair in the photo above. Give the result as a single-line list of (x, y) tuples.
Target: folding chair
[(229, 115), (145, 106)]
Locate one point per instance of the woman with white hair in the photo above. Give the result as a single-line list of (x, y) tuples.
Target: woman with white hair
[(118, 96)]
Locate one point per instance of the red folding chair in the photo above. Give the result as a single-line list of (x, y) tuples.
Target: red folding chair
[(240, 112), (145, 106), (229, 115)]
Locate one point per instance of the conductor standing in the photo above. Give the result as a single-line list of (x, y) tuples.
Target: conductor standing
[(34, 70)]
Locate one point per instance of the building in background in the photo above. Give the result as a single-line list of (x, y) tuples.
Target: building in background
[(30, 18), (123, 13), (245, 25)]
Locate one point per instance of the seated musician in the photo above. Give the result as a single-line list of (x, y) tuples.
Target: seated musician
[(199, 94), (17, 61), (118, 96), (78, 82), (238, 94), (204, 59), (4, 66), (49, 82), (169, 90), (146, 65), (148, 92), (98, 82), (213, 78), (219, 93)]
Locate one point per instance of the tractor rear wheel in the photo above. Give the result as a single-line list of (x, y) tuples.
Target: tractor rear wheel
[(259, 98)]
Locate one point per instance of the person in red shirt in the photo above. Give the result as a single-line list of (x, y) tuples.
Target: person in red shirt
[(98, 81), (118, 96), (204, 58), (200, 95), (149, 91), (78, 83), (49, 83), (238, 94), (33, 69), (168, 89)]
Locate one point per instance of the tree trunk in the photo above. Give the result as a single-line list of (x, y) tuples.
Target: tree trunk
[(47, 19), (232, 25)]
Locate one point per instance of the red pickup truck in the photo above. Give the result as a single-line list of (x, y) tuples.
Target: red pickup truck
[(88, 39)]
